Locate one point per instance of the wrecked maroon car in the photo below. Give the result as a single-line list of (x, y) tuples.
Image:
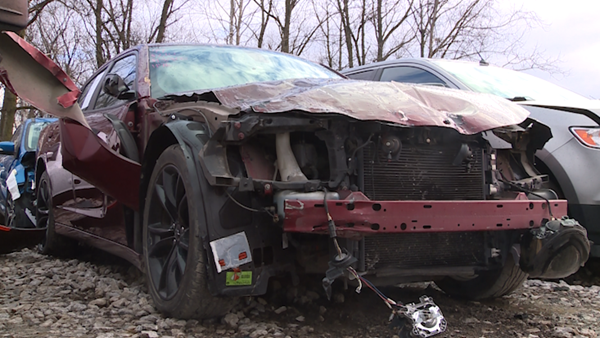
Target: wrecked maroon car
[(215, 168)]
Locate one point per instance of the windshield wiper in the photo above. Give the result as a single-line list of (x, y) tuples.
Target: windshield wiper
[(519, 99)]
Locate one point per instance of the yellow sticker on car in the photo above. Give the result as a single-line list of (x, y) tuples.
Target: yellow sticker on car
[(235, 278)]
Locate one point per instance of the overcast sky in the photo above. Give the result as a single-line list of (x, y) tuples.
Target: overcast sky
[(571, 31)]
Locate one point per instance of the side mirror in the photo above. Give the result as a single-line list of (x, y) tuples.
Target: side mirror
[(7, 148), (115, 86)]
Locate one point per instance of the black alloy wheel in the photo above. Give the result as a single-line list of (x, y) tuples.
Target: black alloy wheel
[(15, 211), (43, 203), (53, 243), (10, 213), (168, 232), (175, 260)]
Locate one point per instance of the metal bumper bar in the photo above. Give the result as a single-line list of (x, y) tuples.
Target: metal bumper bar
[(357, 215)]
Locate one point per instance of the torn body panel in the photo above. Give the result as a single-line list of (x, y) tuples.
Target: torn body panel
[(115, 175), (35, 78)]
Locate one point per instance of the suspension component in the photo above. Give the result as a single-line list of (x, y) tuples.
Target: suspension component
[(420, 320)]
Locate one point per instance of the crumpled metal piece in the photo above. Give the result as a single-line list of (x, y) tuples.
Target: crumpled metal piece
[(422, 320), (391, 102)]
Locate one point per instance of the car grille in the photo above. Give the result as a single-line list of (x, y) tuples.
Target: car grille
[(424, 249), (423, 172)]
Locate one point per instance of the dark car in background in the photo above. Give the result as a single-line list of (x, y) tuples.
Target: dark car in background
[(215, 168), (571, 158), (17, 174)]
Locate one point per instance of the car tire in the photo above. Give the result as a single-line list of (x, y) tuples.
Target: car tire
[(486, 285), (175, 260), (9, 211), (15, 213), (53, 243)]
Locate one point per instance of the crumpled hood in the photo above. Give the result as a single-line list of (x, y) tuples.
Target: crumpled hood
[(397, 103), (37, 79)]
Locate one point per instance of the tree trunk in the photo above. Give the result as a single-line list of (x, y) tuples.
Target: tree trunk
[(434, 13), (240, 17), (231, 21), (264, 21), (162, 26), (99, 40), (379, 31), (9, 108), (347, 31), (285, 30)]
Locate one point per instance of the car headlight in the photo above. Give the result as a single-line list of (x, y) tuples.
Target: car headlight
[(588, 136)]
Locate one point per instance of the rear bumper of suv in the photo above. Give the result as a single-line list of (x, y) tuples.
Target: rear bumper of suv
[(589, 216)]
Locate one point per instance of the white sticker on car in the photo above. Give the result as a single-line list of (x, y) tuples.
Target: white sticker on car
[(231, 251), (13, 187)]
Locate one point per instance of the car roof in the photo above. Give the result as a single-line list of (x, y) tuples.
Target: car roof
[(432, 64), (423, 61)]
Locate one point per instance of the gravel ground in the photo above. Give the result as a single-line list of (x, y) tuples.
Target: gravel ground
[(100, 296)]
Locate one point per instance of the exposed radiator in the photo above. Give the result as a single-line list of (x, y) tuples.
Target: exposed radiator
[(422, 172), (424, 249)]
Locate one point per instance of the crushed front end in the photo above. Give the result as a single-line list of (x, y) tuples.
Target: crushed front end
[(393, 197)]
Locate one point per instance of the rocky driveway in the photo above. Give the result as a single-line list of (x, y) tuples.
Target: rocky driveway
[(102, 297)]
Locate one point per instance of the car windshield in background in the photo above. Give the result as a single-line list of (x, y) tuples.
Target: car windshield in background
[(33, 134), (176, 69), (506, 83)]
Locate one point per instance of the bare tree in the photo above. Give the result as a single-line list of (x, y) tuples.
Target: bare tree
[(117, 24), (283, 22), (388, 18), (264, 20), (53, 35), (233, 17), (9, 108), (472, 29), (9, 102), (374, 26), (331, 32), (159, 31), (349, 34), (294, 38)]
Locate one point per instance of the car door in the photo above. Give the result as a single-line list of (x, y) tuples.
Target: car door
[(35, 78), (99, 212)]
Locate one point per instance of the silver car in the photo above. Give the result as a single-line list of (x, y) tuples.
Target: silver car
[(571, 158)]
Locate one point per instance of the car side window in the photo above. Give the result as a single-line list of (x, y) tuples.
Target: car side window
[(88, 91), (125, 68), (410, 75), (366, 75)]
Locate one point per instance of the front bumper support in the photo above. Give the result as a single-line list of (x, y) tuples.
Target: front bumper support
[(356, 215)]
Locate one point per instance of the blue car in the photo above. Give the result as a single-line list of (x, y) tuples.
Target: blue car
[(17, 174)]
